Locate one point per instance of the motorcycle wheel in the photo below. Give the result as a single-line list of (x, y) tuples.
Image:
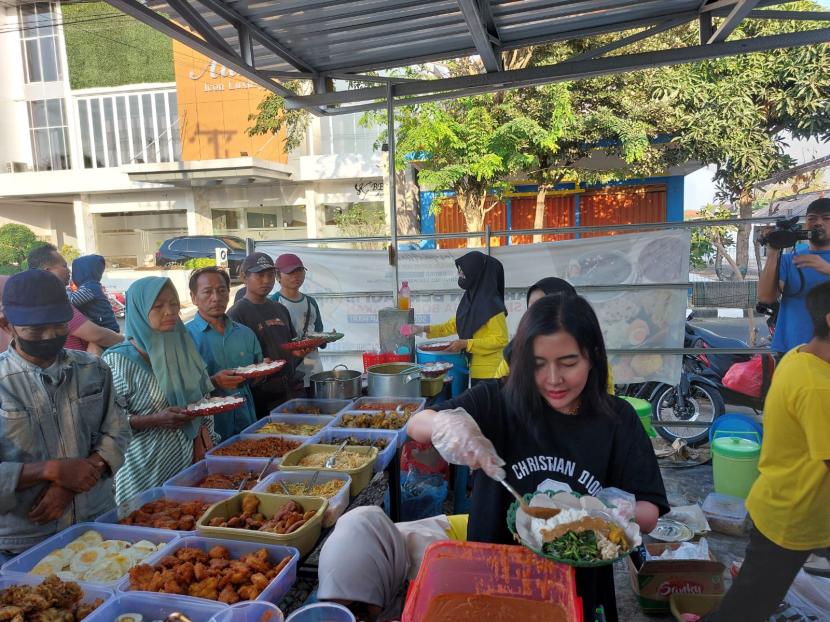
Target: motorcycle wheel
[(703, 404)]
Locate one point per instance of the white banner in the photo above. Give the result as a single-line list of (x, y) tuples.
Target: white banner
[(630, 319)]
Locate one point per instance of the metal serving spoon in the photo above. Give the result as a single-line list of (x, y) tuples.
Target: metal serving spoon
[(533, 512)]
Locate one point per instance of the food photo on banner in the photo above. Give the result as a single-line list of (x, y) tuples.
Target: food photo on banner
[(351, 286)]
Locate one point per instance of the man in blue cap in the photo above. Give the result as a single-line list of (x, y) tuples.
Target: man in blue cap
[(63, 432)]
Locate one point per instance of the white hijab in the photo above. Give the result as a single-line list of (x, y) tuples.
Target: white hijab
[(363, 560)]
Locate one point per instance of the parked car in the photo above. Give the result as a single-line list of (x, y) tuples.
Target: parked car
[(179, 249)]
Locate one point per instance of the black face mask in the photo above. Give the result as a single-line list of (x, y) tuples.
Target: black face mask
[(44, 349), (462, 282)]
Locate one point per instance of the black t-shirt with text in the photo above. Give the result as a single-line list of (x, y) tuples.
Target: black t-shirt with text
[(581, 453)]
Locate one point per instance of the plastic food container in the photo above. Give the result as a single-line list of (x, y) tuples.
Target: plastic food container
[(273, 592), (303, 539), (726, 514), (196, 473), (23, 563), (361, 476), (338, 424), (296, 406), (385, 456), (212, 455), (337, 504), (323, 420), (179, 495), (366, 403), (699, 604), (734, 463), (156, 607), (322, 612), (250, 611), (92, 591), (498, 570)]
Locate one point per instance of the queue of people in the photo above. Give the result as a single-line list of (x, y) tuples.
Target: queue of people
[(539, 415)]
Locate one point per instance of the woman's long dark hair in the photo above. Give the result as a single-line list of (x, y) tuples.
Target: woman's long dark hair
[(549, 315)]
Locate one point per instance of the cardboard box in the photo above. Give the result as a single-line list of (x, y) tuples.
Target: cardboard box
[(656, 581)]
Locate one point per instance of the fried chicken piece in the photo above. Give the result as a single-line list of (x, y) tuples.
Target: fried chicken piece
[(238, 572), (250, 504), (248, 592), (218, 565), (219, 552), (140, 576), (84, 609), (59, 594), (257, 562), (205, 589), (194, 508), (190, 554), (168, 561), (29, 601), (187, 523), (11, 613), (172, 586), (184, 573), (228, 595), (52, 614), (259, 581), (200, 571)]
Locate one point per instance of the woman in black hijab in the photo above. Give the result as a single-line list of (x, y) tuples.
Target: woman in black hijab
[(481, 318)]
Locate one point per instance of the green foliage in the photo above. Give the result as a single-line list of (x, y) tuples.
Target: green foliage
[(15, 243), (706, 241), (69, 252), (362, 220), (105, 47), (272, 117), (199, 262)]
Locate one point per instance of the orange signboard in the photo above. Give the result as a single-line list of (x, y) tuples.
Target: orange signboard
[(214, 105)]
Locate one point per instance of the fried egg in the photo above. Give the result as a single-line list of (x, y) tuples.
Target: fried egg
[(59, 558), (67, 575), (91, 536), (144, 545), (105, 571), (114, 546), (46, 568), (87, 559), (130, 617)]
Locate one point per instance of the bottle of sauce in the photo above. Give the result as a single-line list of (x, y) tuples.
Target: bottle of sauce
[(404, 295)]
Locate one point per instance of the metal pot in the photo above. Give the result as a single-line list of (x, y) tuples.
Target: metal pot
[(395, 380), (337, 384)]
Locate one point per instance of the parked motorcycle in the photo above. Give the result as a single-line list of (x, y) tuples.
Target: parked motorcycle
[(700, 397)]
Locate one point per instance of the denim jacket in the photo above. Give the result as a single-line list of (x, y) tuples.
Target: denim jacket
[(87, 416)]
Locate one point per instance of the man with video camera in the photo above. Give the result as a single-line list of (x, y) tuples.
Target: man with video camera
[(791, 275)]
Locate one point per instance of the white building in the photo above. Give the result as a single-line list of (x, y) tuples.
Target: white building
[(102, 169)]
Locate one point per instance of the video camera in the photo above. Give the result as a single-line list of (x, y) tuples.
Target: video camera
[(787, 233)]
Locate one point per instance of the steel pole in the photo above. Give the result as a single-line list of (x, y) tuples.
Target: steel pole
[(393, 198)]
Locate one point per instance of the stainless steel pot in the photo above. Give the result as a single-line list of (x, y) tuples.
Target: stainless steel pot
[(395, 380), (337, 384)]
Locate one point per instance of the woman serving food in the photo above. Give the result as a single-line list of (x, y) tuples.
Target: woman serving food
[(551, 426)]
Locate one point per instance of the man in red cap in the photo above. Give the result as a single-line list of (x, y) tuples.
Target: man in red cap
[(305, 314)]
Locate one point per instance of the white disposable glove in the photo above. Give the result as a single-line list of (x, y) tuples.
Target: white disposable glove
[(457, 437)]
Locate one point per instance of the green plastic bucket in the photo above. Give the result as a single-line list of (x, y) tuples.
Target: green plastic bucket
[(734, 463), (643, 410)]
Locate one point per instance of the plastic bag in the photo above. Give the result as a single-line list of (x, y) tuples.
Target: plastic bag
[(686, 550), (422, 495), (748, 378), (422, 457), (624, 503)]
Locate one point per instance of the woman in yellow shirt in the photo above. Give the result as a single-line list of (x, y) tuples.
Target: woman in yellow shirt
[(481, 318)]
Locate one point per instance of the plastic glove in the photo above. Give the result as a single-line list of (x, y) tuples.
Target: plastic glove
[(457, 437)]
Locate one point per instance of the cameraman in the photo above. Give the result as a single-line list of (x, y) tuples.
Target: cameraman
[(792, 275)]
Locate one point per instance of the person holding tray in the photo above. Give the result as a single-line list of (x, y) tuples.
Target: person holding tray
[(481, 317), (224, 345), (158, 371), (550, 426)]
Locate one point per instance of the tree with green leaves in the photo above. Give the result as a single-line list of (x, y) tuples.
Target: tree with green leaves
[(15, 243)]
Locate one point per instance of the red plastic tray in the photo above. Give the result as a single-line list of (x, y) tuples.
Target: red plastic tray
[(303, 344), (215, 410), (263, 372), (435, 347)]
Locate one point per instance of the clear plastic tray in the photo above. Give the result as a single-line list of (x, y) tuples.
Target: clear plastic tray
[(23, 563), (327, 407), (338, 425), (322, 612), (273, 592), (385, 456), (91, 591), (337, 504), (303, 440), (325, 420), (180, 495), (250, 611), (726, 514), (157, 607), (194, 474)]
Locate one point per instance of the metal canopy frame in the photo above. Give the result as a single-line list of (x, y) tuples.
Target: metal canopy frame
[(272, 41)]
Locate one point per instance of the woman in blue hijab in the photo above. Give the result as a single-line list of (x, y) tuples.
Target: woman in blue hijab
[(89, 297), (157, 371)]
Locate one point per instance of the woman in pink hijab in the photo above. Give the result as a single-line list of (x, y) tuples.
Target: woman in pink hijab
[(5, 337)]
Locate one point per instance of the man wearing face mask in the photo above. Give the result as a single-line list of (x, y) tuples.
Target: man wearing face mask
[(63, 431)]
